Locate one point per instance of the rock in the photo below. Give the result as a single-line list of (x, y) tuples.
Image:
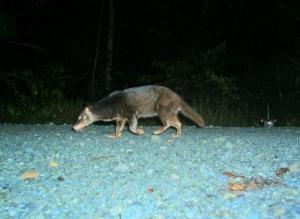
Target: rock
[(60, 178), (163, 148), (3, 196), (295, 167), (116, 211), (150, 172), (150, 189), (155, 137), (229, 145), (174, 176), (133, 211), (279, 212), (230, 195), (121, 168), (129, 151)]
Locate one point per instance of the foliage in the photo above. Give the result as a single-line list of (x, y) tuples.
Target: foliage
[(197, 75), (7, 25), (229, 60), (58, 112)]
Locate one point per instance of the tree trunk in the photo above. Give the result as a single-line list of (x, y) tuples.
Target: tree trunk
[(110, 35)]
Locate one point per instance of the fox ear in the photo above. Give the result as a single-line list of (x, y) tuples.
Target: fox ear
[(87, 109)]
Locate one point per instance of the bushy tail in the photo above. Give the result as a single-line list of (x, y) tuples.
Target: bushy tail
[(190, 113)]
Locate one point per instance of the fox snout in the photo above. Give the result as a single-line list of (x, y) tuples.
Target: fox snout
[(76, 127), (79, 125), (84, 119), (82, 122)]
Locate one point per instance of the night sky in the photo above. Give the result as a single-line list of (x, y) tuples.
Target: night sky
[(247, 51)]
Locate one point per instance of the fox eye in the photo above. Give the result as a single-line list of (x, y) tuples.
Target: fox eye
[(84, 117), (79, 117)]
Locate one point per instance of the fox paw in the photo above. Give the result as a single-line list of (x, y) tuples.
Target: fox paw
[(114, 136), (158, 131), (175, 135), (138, 131)]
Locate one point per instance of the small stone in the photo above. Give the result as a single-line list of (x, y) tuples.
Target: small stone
[(121, 168), (129, 151), (135, 210), (230, 195), (61, 178), (150, 172), (174, 176), (163, 148), (117, 210), (295, 167), (150, 189), (158, 216), (279, 212), (131, 142), (3, 195), (237, 179), (76, 200), (155, 137), (229, 145), (132, 164)]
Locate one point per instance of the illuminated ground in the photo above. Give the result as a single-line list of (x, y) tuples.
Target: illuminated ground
[(48, 171)]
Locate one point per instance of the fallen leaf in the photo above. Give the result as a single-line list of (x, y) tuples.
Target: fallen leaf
[(29, 175), (237, 186), (53, 163)]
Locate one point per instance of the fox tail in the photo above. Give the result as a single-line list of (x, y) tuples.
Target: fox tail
[(190, 113)]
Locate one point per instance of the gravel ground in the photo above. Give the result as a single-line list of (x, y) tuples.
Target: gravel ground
[(48, 171)]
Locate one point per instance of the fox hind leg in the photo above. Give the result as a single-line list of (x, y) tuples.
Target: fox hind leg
[(168, 117), (170, 122), (177, 125), (161, 129)]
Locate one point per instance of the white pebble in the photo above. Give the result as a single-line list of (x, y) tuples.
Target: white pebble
[(155, 137), (163, 148), (174, 176), (295, 167), (121, 168), (150, 172)]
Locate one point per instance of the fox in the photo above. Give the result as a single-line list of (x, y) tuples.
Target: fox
[(131, 104)]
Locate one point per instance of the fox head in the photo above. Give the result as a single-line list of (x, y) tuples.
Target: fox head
[(85, 118)]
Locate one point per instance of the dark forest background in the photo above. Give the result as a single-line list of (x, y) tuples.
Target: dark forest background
[(228, 59)]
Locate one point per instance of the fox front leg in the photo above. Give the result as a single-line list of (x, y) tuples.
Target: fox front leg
[(133, 126), (119, 128)]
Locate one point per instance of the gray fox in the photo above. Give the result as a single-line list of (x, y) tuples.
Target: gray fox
[(139, 102)]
